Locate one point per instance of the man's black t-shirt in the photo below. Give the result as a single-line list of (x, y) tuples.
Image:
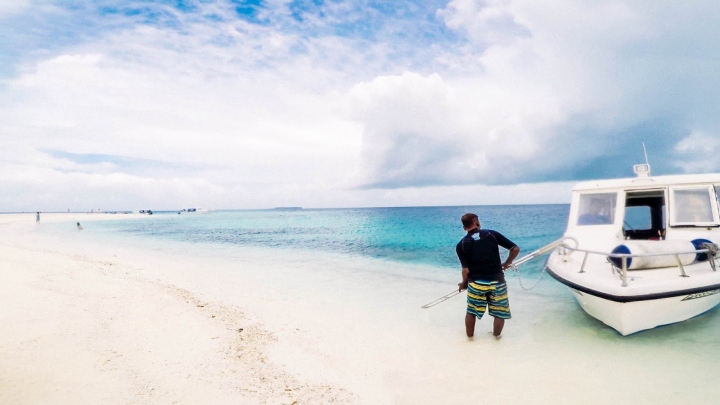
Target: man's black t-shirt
[(478, 252)]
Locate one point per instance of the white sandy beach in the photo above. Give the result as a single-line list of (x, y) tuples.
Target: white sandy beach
[(89, 330), (92, 321)]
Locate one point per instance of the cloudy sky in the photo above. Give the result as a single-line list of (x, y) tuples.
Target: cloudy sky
[(248, 104)]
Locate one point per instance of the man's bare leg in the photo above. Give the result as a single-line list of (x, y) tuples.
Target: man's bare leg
[(498, 324), (470, 324)]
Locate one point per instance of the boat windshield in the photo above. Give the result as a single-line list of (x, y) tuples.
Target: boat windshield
[(597, 209), (692, 206)]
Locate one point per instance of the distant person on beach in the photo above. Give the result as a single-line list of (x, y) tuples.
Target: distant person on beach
[(37, 218), (79, 226), (482, 274)]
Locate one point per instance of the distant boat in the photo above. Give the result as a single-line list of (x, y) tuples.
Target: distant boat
[(148, 212), (193, 211)]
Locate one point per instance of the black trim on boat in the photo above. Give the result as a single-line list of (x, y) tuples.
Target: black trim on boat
[(620, 298)]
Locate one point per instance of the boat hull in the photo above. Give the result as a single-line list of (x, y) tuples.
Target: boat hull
[(631, 316)]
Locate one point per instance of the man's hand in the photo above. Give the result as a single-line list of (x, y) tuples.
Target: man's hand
[(462, 286)]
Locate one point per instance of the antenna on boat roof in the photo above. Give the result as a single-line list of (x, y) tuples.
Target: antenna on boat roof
[(643, 170)]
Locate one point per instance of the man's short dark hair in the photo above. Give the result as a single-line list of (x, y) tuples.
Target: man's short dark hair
[(468, 220)]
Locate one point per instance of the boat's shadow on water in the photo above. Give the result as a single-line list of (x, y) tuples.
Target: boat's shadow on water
[(702, 328)]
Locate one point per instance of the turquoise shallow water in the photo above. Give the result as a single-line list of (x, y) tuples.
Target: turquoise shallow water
[(368, 271), (409, 242), (424, 235)]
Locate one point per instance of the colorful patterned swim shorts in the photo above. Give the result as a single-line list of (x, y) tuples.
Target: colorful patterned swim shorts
[(482, 294)]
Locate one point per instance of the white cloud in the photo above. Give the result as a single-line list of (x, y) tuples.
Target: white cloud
[(289, 113), (9, 7), (259, 133), (698, 153), (542, 91), (487, 23), (424, 130)]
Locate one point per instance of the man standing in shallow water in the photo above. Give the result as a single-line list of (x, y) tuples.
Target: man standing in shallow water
[(482, 274)]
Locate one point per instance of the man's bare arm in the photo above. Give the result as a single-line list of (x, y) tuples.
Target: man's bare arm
[(514, 252), (463, 285)]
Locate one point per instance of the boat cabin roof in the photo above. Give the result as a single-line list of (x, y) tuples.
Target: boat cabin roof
[(604, 213), (639, 183)]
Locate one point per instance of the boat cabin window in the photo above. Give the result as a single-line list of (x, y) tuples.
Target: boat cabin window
[(693, 206), (644, 215), (597, 209)]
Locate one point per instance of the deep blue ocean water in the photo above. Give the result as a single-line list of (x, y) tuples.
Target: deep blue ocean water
[(424, 235)]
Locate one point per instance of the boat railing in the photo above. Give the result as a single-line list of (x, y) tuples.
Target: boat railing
[(711, 254), (550, 246)]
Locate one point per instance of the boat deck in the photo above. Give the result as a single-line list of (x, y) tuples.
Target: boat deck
[(599, 278)]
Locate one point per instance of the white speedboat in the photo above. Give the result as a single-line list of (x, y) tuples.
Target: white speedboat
[(148, 212), (644, 249)]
